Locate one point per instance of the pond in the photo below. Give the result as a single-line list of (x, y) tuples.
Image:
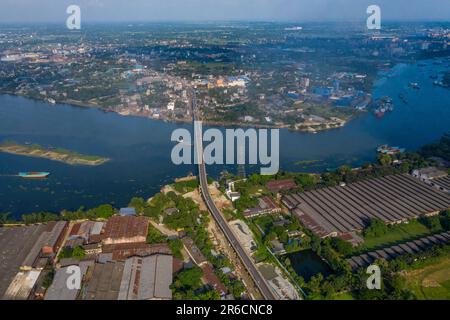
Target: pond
[(307, 264)]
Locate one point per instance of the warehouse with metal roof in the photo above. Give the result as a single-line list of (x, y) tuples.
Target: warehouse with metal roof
[(15, 245), (125, 229), (137, 278), (59, 290), (442, 184), (104, 281), (393, 252), (339, 210), (147, 278), (22, 246)]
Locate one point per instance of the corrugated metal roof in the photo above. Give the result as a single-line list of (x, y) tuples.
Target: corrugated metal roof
[(127, 211), (395, 198), (59, 289), (146, 278), (97, 228), (22, 284), (411, 247)]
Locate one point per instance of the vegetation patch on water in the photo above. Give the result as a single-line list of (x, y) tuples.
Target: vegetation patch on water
[(58, 154), (307, 162)]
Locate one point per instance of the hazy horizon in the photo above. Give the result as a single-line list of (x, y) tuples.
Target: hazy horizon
[(141, 11)]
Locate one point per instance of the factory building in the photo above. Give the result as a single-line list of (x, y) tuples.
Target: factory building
[(345, 209)]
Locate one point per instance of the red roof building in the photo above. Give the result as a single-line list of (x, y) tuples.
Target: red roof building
[(123, 251), (126, 229), (210, 278), (281, 185)]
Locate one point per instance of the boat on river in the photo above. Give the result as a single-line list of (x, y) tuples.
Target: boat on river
[(34, 175)]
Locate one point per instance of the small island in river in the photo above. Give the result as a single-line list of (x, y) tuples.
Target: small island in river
[(57, 154)]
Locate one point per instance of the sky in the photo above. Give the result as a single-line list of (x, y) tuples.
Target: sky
[(222, 10)]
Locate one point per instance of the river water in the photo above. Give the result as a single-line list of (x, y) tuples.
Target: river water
[(140, 148)]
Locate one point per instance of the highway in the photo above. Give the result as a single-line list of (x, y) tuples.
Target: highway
[(247, 261)]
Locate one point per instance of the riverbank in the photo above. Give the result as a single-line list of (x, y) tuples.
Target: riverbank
[(141, 147), (307, 126), (61, 155)]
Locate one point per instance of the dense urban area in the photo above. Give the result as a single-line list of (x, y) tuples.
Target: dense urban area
[(259, 74)]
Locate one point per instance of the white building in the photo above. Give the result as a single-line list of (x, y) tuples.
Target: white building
[(171, 106)]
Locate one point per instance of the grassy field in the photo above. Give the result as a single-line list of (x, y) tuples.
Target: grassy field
[(343, 296), (431, 282), (186, 186), (396, 234), (154, 235)]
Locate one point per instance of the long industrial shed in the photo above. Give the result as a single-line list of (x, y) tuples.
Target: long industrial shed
[(393, 252), (341, 210)]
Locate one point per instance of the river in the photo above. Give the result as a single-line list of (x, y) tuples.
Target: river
[(140, 148)]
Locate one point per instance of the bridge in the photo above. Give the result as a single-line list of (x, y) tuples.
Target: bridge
[(247, 261)]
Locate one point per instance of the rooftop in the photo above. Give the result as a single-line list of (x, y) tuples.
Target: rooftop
[(123, 251), (15, 245), (431, 173), (442, 183), (127, 211), (104, 281), (211, 278), (47, 240), (193, 251), (393, 199), (279, 185), (22, 284), (393, 252), (146, 278), (81, 229), (121, 229), (59, 290), (137, 278)]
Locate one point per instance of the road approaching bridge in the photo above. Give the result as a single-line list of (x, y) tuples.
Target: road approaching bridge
[(258, 279)]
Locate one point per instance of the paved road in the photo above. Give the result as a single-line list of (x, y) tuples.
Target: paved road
[(260, 282)]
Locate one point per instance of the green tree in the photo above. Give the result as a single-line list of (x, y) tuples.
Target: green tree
[(188, 279), (48, 279), (237, 288), (138, 204), (385, 159), (445, 220), (4, 217), (78, 253), (314, 284), (103, 211), (154, 235), (208, 295), (176, 245), (305, 180), (343, 247), (433, 223), (375, 228)]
